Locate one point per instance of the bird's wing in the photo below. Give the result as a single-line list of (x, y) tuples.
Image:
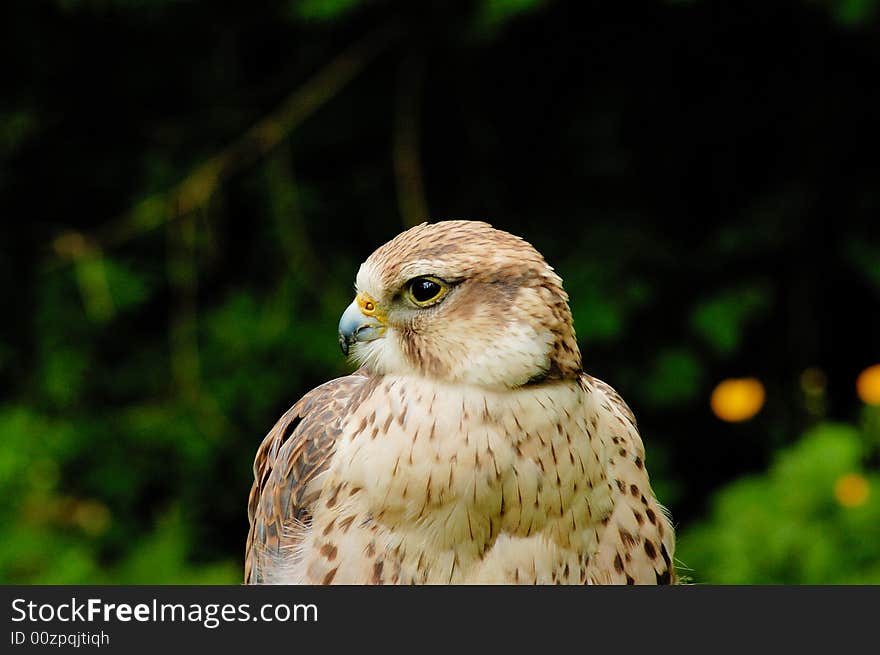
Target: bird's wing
[(636, 541), (294, 452)]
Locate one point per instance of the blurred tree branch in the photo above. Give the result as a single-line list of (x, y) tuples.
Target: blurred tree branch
[(91, 276), (196, 188)]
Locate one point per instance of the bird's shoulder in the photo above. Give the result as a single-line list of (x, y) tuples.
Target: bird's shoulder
[(295, 451), (609, 399), (636, 539)]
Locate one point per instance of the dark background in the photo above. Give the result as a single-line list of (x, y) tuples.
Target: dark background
[(188, 187)]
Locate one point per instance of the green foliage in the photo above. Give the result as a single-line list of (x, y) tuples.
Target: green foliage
[(854, 12), (721, 320), (601, 312), (497, 12), (170, 544), (15, 127), (605, 291), (673, 378), (865, 257), (323, 10), (785, 526), (119, 494), (846, 12)]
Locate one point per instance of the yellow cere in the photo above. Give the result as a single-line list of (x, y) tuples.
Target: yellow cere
[(851, 490), (367, 304), (868, 385), (737, 399)]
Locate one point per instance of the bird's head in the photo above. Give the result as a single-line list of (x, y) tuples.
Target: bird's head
[(461, 302)]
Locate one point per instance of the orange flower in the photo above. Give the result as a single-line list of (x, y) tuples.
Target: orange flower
[(868, 385), (851, 490), (737, 399)]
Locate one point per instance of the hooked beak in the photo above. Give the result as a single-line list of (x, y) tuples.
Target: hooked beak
[(356, 326)]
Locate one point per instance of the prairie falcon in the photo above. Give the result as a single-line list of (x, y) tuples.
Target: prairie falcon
[(469, 447)]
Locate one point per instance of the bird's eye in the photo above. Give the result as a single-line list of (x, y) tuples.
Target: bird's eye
[(425, 290)]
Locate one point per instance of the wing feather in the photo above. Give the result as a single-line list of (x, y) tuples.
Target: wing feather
[(294, 452)]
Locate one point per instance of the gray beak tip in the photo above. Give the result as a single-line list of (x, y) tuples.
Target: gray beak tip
[(355, 327)]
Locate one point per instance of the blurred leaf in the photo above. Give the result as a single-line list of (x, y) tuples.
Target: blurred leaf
[(127, 287), (721, 320), (63, 374), (323, 10), (493, 13), (15, 128), (674, 377), (30, 446), (602, 305), (854, 12), (865, 257)]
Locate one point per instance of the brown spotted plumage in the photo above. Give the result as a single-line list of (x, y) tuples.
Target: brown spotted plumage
[(297, 449), (469, 447)]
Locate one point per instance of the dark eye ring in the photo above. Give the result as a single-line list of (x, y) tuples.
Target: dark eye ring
[(425, 290)]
